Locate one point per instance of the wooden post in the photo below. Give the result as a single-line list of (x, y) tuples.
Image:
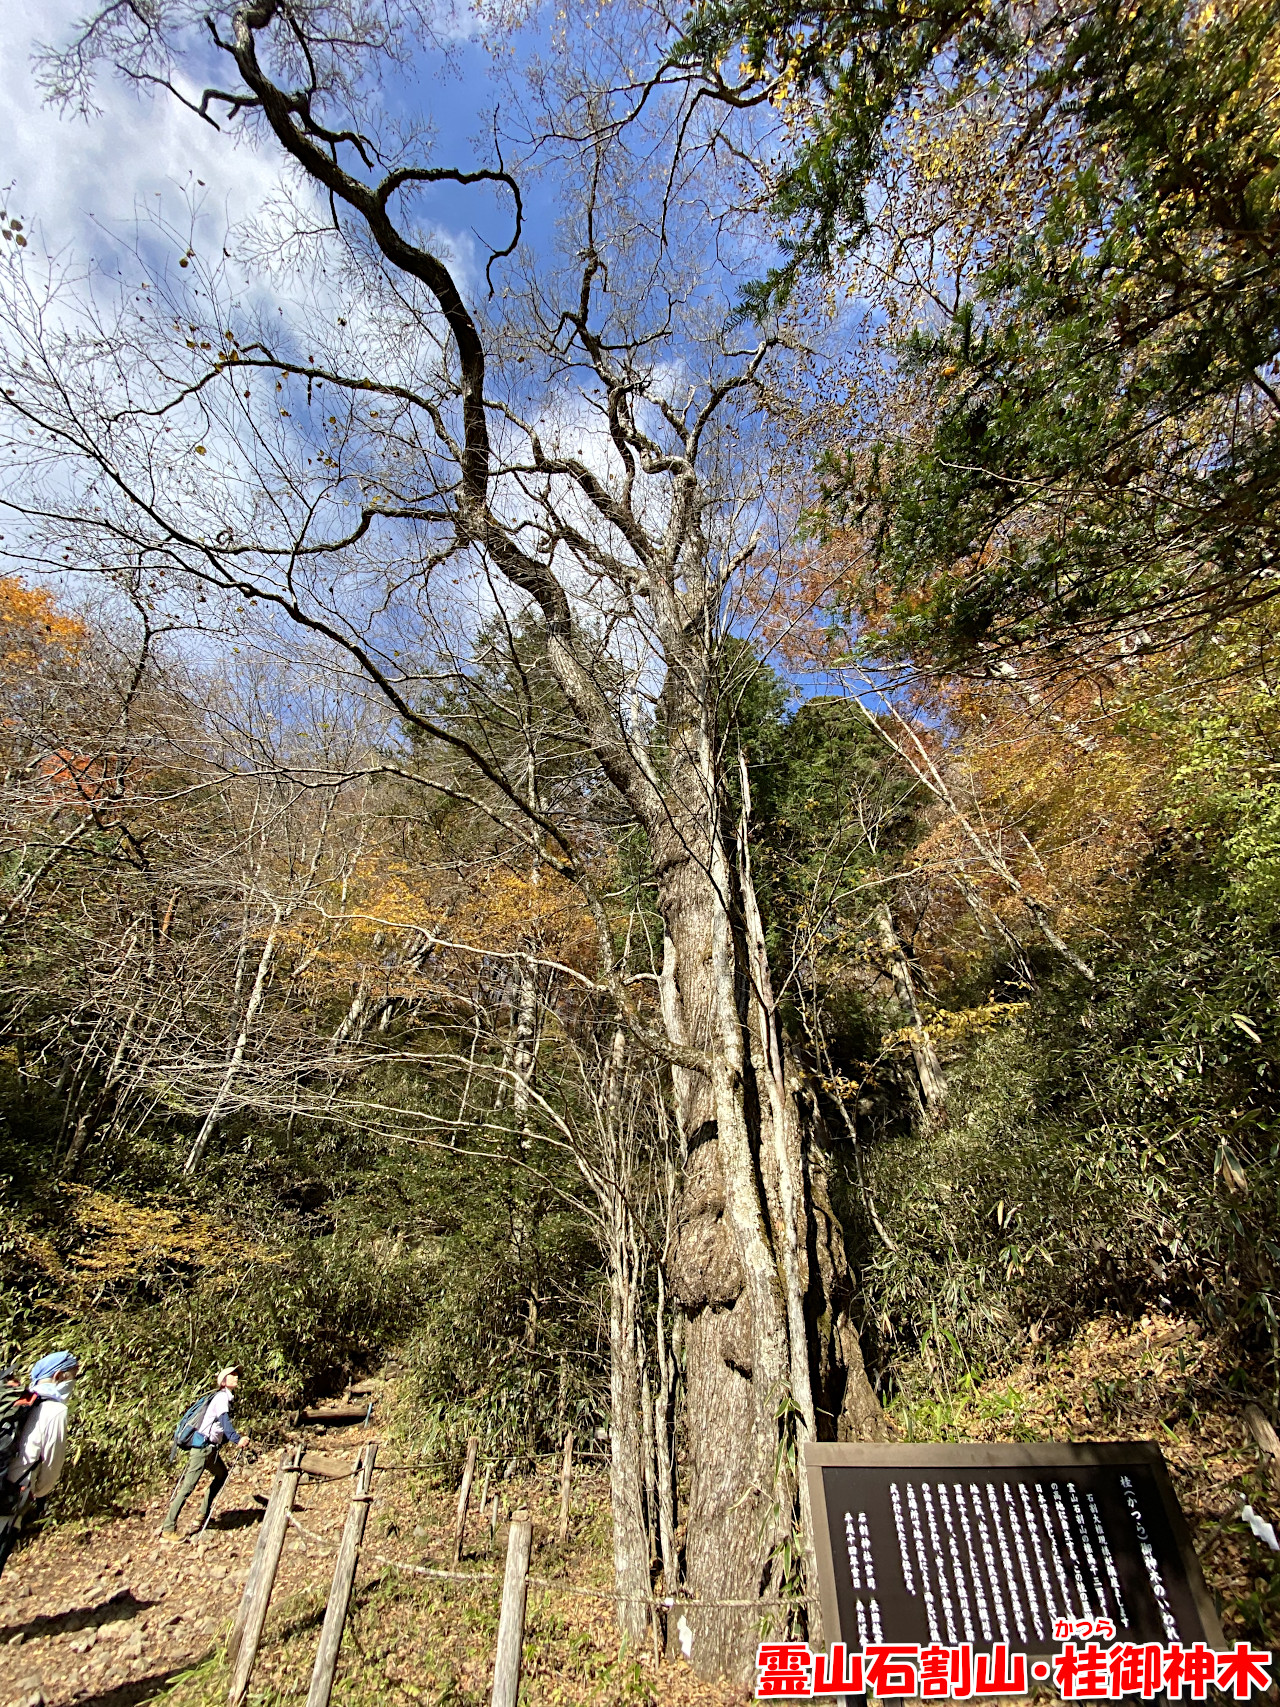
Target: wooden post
[(484, 1494), (566, 1472), (344, 1576), (247, 1631), (493, 1521), (1264, 1437), (515, 1583), (464, 1494)]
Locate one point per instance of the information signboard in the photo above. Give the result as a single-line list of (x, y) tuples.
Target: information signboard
[(947, 1545)]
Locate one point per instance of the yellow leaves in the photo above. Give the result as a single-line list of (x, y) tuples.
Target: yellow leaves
[(902, 1038), (837, 1084), (30, 618), (514, 910), (948, 1026), (123, 1241), (29, 1255)]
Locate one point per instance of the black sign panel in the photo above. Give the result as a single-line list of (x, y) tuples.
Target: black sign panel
[(986, 1544)]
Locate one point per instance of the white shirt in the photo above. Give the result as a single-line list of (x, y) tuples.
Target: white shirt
[(212, 1422), (42, 1445)]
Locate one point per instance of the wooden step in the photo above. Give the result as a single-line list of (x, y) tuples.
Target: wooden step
[(337, 1416)]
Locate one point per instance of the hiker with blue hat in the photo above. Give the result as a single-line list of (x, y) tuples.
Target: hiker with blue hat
[(35, 1462)]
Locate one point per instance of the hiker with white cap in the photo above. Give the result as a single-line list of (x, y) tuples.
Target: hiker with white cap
[(36, 1462), (212, 1430)]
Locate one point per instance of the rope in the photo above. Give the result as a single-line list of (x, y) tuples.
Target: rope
[(424, 1464), (537, 1582), (489, 1463)]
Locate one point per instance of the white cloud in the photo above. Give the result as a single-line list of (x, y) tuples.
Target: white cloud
[(72, 175)]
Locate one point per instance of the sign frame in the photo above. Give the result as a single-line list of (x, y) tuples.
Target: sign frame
[(1014, 1455)]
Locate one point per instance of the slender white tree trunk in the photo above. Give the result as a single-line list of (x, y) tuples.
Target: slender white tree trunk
[(257, 995), (626, 1476), (933, 1083)]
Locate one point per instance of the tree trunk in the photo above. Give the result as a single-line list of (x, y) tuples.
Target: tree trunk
[(630, 1540), (256, 997), (933, 1083), (525, 1044), (663, 1429), (755, 1235)]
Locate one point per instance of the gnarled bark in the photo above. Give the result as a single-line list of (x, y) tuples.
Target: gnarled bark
[(759, 1266)]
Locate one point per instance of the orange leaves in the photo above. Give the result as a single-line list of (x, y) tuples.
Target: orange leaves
[(410, 929), (75, 779), (500, 909), (514, 911), (31, 623), (1067, 781), (789, 605)]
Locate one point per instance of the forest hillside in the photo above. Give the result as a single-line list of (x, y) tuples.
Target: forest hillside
[(661, 823)]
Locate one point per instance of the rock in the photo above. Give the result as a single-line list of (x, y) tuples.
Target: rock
[(131, 1647), (31, 1690)]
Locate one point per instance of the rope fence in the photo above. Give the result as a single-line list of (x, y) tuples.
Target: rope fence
[(666, 1602), (279, 1517), (414, 1465)]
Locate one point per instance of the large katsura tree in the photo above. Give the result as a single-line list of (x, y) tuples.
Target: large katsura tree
[(381, 453)]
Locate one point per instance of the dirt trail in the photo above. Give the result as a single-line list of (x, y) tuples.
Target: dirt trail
[(109, 1614)]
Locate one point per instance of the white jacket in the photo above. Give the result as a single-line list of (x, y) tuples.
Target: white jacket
[(42, 1445)]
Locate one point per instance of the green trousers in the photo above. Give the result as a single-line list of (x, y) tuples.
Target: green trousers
[(199, 1459)]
